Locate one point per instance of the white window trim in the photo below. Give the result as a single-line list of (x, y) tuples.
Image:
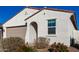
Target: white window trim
[(51, 35)]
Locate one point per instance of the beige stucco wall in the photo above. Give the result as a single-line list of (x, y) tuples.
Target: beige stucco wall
[(19, 19), (76, 36), (62, 30)]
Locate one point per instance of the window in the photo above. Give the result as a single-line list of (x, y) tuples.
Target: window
[(52, 26)]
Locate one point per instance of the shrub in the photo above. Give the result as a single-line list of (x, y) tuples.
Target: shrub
[(41, 42), (10, 44), (58, 47), (25, 49)]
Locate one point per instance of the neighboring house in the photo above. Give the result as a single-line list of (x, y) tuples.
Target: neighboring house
[(32, 23)]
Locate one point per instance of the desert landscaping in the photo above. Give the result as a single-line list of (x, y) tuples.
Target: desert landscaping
[(16, 44)]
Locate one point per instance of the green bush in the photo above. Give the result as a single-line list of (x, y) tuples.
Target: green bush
[(10, 44), (25, 49), (58, 47)]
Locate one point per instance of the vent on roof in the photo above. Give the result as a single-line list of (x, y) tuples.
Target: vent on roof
[(25, 13)]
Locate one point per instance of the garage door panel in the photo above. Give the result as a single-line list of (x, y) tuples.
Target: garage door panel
[(16, 32)]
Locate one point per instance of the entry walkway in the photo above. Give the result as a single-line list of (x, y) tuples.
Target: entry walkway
[(72, 49)]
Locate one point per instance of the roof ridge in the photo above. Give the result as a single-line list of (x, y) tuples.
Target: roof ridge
[(54, 9), (33, 14)]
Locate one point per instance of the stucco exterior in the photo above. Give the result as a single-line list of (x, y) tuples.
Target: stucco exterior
[(18, 20), (64, 26), (63, 23)]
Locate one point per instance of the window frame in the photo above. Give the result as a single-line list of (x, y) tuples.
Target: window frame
[(51, 26)]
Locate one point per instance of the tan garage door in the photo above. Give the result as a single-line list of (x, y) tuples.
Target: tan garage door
[(16, 32)]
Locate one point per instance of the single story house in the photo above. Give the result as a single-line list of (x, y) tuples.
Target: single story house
[(32, 23)]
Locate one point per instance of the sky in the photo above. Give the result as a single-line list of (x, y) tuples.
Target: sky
[(7, 12)]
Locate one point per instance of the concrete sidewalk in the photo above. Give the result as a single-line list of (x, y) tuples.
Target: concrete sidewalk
[(72, 49)]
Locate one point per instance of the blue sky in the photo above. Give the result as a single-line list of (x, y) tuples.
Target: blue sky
[(7, 12)]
